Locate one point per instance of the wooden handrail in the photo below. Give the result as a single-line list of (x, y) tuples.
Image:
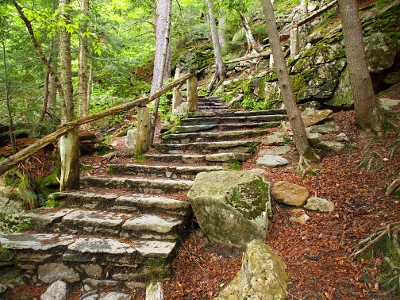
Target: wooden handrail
[(17, 158)]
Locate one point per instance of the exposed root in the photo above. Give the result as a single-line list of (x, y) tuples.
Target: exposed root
[(304, 166), (393, 186)]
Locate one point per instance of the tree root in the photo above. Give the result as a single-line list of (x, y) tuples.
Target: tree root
[(393, 186), (304, 166)]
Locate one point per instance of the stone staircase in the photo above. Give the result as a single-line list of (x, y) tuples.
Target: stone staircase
[(123, 228)]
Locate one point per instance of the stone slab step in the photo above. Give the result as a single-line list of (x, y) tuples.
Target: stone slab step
[(140, 185), (233, 112), (213, 158), (127, 203), (167, 171), (230, 118), (99, 222), (44, 258), (213, 136), (208, 147)]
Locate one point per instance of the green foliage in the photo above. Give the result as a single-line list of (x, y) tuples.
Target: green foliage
[(10, 220), (234, 165), (140, 158), (53, 203), (255, 104), (382, 3)]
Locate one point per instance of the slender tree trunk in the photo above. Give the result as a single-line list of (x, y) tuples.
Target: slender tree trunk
[(69, 143), (221, 28), (219, 64), (83, 103), (296, 122), (251, 42), (367, 112), (7, 95), (163, 27)]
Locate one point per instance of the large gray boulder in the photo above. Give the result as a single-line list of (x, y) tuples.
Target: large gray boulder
[(262, 276), (231, 207)]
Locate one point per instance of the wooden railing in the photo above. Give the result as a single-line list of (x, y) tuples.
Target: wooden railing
[(17, 158)]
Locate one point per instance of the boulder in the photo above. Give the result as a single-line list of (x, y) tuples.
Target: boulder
[(379, 52), (289, 193), (311, 117), (261, 277), (182, 110), (387, 104), (231, 207), (56, 291), (52, 272), (343, 96), (330, 146), (275, 151), (276, 139)]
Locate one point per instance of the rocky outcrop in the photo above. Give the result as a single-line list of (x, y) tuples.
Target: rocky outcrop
[(231, 207), (261, 277)]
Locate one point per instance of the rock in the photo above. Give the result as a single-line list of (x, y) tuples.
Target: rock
[(3, 288), (319, 204), (341, 137), (343, 96), (94, 271), (322, 128), (115, 296), (314, 138), (387, 104), (275, 151), (56, 291), (130, 139), (231, 207), (392, 78), (379, 52), (276, 139), (272, 161), (330, 146), (52, 272), (289, 193), (182, 110), (261, 277), (311, 117), (154, 291), (301, 219)]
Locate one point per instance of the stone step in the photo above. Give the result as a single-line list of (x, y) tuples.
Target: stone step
[(212, 136), (44, 258), (106, 223), (168, 171), (126, 203), (209, 121), (246, 146), (208, 159), (139, 185)]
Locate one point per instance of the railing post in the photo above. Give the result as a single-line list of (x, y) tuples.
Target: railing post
[(192, 94), (176, 92), (294, 40), (143, 130)]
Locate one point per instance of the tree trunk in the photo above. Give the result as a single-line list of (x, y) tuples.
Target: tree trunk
[(367, 112), (251, 42), (219, 64), (7, 95), (69, 143), (221, 28), (296, 122), (83, 101), (163, 27)]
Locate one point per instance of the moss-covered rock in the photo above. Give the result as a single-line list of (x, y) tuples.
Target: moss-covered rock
[(231, 207)]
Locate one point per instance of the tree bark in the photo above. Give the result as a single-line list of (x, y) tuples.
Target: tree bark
[(296, 122), (83, 101), (69, 143), (367, 112), (143, 134), (219, 64), (193, 99), (163, 26), (176, 93)]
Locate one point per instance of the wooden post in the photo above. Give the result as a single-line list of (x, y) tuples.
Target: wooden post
[(143, 131), (192, 94), (176, 93)]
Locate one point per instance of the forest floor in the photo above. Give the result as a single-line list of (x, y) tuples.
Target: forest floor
[(317, 253)]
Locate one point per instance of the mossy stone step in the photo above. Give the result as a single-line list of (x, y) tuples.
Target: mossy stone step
[(213, 136), (162, 170), (48, 257), (140, 185), (209, 159), (246, 146), (114, 202)]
